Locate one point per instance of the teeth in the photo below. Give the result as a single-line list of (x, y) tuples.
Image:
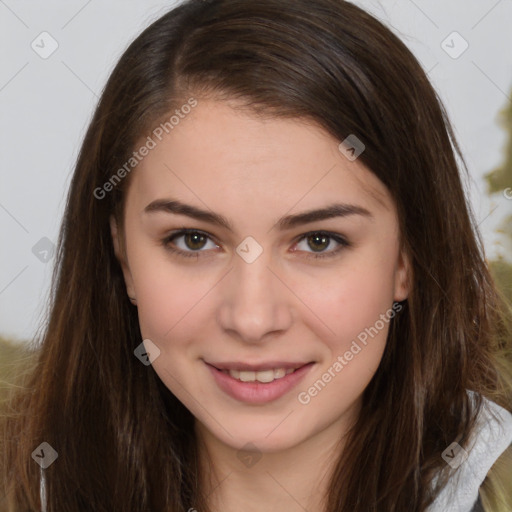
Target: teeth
[(261, 376), (247, 376)]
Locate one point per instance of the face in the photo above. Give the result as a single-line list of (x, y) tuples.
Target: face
[(270, 320)]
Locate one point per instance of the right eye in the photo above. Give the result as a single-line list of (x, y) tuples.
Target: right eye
[(192, 242)]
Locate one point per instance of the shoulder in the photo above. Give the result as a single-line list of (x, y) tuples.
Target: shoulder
[(492, 435)]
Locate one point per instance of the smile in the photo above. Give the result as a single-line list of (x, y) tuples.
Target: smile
[(263, 376), (258, 384)]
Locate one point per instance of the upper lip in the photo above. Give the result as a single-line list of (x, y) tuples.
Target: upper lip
[(234, 365)]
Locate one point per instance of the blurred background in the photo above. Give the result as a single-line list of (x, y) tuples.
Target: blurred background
[(57, 55)]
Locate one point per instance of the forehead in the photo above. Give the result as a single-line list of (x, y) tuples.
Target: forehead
[(224, 156)]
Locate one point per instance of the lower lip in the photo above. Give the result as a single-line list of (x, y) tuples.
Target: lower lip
[(258, 392)]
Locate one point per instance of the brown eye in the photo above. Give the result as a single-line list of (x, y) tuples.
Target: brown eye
[(194, 240), (188, 243), (319, 241)]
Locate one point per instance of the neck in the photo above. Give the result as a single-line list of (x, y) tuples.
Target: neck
[(294, 479)]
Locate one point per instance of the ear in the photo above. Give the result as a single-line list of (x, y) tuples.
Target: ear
[(121, 257), (402, 277)]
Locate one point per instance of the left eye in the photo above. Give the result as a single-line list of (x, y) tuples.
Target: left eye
[(193, 241), (321, 240)]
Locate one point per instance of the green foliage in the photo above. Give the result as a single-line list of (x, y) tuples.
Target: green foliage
[(501, 177), (14, 357), (497, 181), (501, 271)]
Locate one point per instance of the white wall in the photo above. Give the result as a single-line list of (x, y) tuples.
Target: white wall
[(47, 103)]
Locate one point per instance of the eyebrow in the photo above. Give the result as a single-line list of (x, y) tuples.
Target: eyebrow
[(287, 222)]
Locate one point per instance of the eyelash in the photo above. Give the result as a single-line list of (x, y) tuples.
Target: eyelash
[(195, 254)]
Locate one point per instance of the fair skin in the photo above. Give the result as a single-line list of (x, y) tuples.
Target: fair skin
[(283, 306)]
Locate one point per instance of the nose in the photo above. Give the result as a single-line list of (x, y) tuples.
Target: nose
[(255, 303)]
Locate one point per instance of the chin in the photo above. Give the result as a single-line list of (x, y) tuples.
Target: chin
[(267, 436)]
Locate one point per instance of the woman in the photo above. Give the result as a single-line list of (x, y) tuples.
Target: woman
[(270, 292)]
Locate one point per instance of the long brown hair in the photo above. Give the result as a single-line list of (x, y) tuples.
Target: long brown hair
[(124, 441)]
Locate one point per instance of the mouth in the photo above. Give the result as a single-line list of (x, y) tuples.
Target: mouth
[(264, 372), (260, 383)]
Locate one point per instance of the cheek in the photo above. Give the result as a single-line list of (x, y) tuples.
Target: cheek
[(166, 296), (169, 310), (357, 307), (352, 299)]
